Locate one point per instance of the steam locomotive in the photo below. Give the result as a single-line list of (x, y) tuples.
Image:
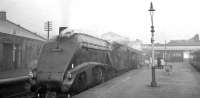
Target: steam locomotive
[(76, 61)]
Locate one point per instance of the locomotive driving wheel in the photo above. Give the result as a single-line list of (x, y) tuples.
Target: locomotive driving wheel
[(98, 75), (83, 81), (80, 83)]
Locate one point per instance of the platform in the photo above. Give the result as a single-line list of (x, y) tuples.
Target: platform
[(14, 75), (182, 82)]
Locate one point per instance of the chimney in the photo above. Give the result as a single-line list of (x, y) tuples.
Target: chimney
[(3, 15)]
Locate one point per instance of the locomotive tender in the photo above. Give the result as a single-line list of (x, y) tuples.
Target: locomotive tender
[(74, 62)]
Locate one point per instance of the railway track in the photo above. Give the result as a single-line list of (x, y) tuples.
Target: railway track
[(14, 90), (32, 95), (24, 94)]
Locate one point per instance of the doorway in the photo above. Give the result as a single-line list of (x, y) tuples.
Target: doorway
[(10, 54)]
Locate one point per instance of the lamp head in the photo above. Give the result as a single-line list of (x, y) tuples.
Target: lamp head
[(151, 8)]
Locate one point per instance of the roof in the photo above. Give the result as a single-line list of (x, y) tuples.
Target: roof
[(183, 43), (9, 27)]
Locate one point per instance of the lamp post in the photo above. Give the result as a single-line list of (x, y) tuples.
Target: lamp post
[(153, 82)]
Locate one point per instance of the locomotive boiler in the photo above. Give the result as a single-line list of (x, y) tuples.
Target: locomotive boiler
[(76, 61)]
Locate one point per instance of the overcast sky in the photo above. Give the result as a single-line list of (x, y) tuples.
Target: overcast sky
[(174, 19)]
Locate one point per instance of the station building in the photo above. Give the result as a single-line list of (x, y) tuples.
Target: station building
[(175, 50), (19, 47)]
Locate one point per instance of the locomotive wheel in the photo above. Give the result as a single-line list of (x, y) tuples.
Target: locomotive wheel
[(98, 75), (83, 81), (80, 83)]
